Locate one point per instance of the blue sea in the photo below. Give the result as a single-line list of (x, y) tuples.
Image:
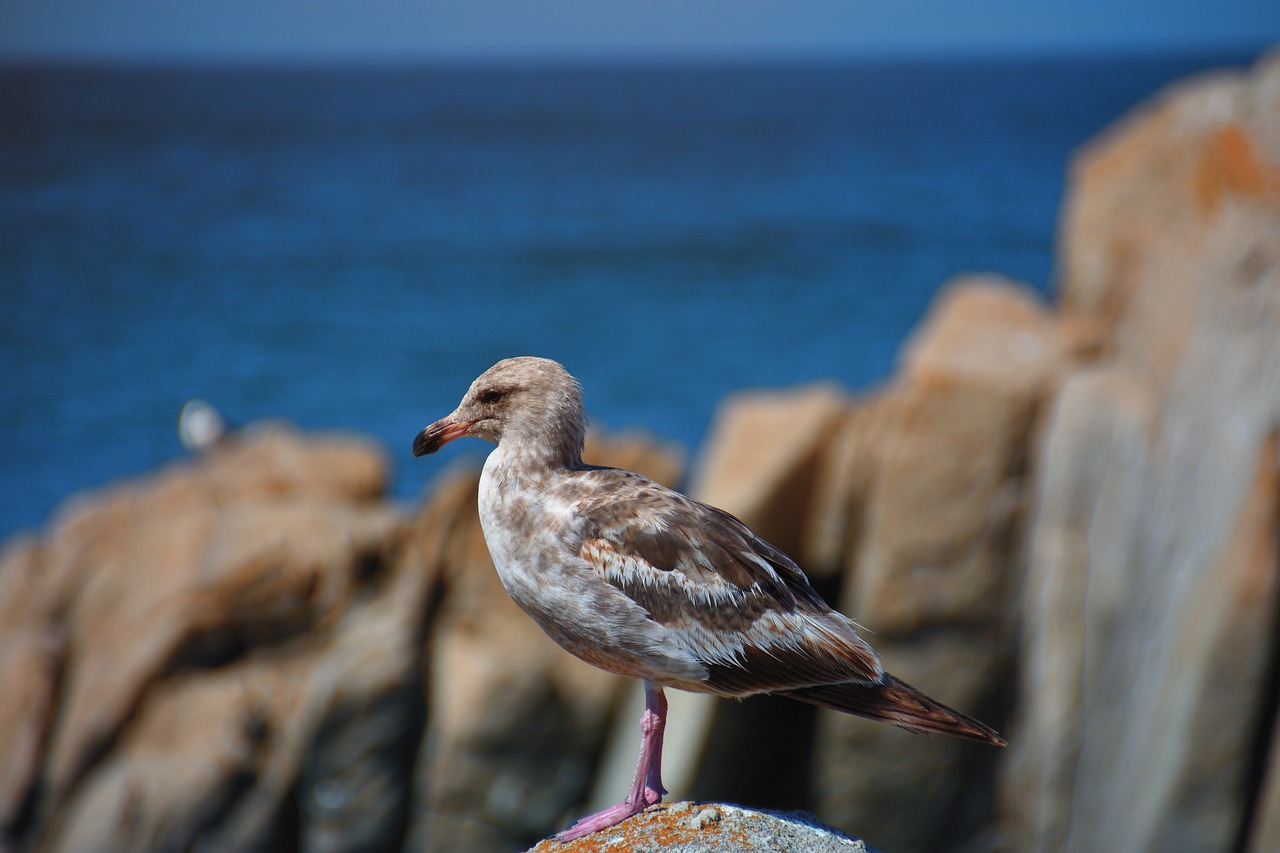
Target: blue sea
[(348, 247)]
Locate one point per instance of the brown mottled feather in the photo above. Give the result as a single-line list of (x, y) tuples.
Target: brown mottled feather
[(703, 574)]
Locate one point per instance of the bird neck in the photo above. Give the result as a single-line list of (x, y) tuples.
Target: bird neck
[(548, 450)]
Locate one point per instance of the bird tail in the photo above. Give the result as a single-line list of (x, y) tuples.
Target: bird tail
[(894, 701)]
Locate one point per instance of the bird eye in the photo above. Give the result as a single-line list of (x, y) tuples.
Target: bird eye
[(492, 396)]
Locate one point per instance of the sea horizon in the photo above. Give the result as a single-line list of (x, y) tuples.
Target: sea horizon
[(1031, 53)]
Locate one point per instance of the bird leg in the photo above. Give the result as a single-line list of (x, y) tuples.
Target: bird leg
[(646, 787)]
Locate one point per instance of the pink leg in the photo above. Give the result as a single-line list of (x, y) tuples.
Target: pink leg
[(646, 787)]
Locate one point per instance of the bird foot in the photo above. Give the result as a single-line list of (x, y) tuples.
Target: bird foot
[(611, 816)]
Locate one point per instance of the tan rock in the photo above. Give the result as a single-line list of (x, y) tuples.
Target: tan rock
[(907, 791), (636, 450), (1089, 472), (1217, 661), (268, 460), (142, 597), (1154, 559), (765, 457), (933, 566), (1138, 649), (1142, 194), (985, 332), (846, 473), (161, 788), (1264, 831), (268, 725), (950, 487), (30, 655), (192, 587)]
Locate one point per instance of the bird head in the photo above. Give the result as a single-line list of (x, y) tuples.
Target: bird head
[(532, 401)]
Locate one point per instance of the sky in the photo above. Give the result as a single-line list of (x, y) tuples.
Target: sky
[(309, 30)]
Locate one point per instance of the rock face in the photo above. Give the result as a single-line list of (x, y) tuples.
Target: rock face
[(1152, 596), (933, 566), (258, 598)]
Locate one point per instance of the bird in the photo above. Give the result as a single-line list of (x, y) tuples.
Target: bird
[(643, 581), (201, 426)]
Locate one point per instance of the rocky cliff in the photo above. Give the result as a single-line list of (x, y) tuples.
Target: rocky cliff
[(1062, 519)]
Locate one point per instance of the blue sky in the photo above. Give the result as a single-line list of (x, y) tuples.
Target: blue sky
[(397, 29)]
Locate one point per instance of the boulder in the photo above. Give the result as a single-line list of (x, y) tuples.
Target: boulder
[(842, 485), (231, 653), (1264, 828), (1088, 476), (1150, 609), (194, 643), (932, 569), (30, 663), (943, 510)]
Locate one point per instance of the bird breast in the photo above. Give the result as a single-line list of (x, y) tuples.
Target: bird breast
[(533, 539)]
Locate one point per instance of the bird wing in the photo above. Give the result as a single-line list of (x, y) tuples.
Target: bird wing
[(731, 600)]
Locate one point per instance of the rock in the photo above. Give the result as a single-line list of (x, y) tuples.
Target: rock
[(1087, 472), (951, 484), (686, 827), (1143, 197), (986, 332), (198, 587), (636, 450), (516, 723), (277, 724), (842, 485), (933, 564), (1264, 830), (230, 653), (918, 495), (30, 662), (1150, 613), (196, 643)]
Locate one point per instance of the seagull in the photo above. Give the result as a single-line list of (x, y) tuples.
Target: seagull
[(201, 426), (642, 581)]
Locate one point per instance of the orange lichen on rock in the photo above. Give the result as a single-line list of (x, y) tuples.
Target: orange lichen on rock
[(1230, 166), (662, 827), (709, 828)]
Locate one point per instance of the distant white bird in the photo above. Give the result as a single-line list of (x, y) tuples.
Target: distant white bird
[(642, 581), (200, 426)]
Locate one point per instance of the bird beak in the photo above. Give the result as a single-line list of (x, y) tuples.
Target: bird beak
[(438, 435)]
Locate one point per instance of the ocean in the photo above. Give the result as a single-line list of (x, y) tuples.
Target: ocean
[(348, 247)]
